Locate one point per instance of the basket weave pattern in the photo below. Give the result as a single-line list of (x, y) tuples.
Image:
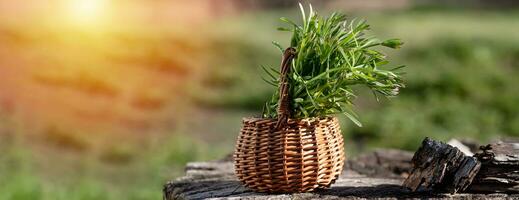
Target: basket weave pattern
[(305, 154)]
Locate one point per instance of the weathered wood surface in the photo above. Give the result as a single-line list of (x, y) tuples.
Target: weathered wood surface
[(383, 163), (499, 170), (441, 167), (216, 180)]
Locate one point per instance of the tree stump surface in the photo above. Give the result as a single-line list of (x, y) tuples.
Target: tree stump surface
[(372, 175)]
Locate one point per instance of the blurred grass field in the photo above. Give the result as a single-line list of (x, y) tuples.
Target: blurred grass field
[(117, 113)]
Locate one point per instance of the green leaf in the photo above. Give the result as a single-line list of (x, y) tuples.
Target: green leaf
[(393, 43), (269, 82), (302, 12), (288, 21), (397, 68), (353, 119), (284, 29), (268, 72), (278, 46)]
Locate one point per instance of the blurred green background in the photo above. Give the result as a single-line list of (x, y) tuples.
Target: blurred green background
[(109, 99)]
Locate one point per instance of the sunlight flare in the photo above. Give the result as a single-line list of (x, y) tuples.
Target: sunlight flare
[(87, 11)]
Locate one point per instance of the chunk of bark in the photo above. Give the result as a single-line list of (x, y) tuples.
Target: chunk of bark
[(441, 167), (499, 170), (465, 174)]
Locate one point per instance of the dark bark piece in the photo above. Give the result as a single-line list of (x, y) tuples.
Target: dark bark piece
[(499, 170), (465, 174), (441, 167)]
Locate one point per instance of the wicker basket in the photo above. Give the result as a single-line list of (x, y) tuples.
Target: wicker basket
[(288, 155)]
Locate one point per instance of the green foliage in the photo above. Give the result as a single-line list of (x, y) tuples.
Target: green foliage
[(333, 54), (25, 180), (458, 87)]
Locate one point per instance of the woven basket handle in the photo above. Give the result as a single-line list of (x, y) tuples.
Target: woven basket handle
[(283, 104)]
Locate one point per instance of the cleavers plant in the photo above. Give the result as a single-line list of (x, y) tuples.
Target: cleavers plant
[(332, 55)]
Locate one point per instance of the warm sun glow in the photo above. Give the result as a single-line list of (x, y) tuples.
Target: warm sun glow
[(86, 11)]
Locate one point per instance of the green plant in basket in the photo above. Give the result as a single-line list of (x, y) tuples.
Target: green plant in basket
[(297, 146), (332, 55)]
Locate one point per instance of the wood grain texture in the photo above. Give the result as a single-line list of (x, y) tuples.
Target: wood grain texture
[(383, 163)]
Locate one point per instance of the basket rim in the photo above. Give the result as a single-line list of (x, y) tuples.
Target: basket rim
[(291, 120)]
